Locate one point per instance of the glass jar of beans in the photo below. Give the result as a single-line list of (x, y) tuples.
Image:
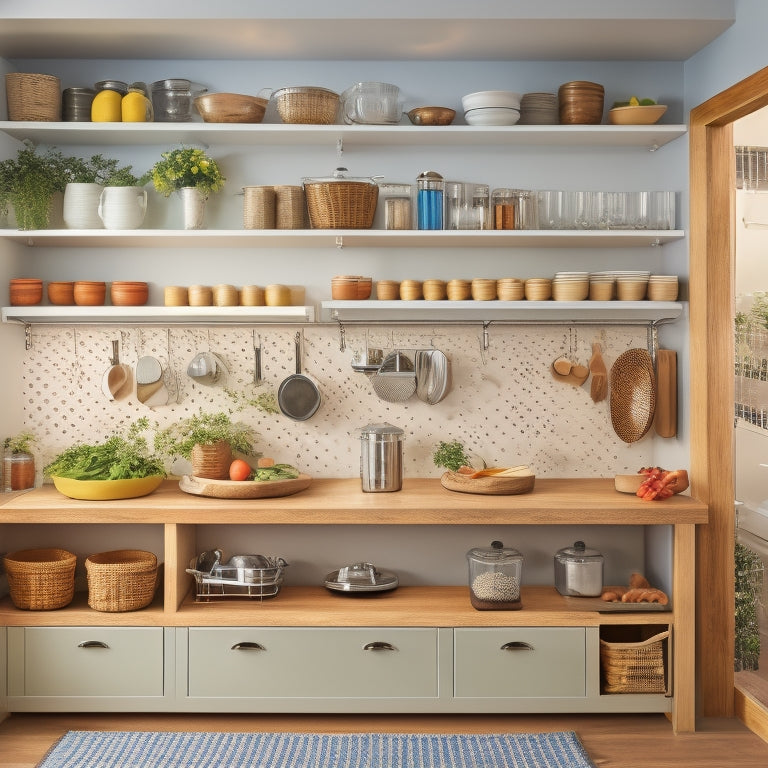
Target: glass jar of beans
[(495, 575)]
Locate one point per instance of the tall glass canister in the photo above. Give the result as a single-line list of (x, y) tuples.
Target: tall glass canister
[(429, 200)]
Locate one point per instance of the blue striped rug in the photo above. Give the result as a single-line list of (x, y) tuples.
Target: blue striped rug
[(152, 749)]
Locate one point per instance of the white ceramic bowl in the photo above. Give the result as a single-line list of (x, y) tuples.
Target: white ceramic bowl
[(492, 116), (490, 99)]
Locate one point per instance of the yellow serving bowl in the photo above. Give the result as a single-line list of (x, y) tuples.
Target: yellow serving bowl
[(107, 490), (640, 115)]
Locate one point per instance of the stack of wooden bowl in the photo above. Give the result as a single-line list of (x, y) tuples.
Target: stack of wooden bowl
[(570, 286), (25, 291), (662, 288), (483, 289), (127, 293), (510, 289), (538, 288), (581, 103)]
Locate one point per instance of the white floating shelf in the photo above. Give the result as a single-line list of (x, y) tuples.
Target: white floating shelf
[(157, 315), (501, 311), (340, 238)]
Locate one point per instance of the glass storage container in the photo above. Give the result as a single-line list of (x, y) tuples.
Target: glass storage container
[(495, 575), (172, 99), (429, 200), (579, 571)]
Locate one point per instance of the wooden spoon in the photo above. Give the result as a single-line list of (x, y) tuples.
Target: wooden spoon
[(599, 384)]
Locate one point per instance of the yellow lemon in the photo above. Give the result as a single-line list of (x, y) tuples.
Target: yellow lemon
[(136, 108), (634, 101), (106, 107)]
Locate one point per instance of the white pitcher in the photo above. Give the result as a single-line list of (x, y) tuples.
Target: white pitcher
[(81, 203), (123, 207)]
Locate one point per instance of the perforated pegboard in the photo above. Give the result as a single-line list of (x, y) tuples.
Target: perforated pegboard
[(503, 403)]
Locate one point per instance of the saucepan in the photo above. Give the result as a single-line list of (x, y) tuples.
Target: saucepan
[(298, 396)]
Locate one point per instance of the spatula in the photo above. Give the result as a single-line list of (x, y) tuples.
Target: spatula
[(665, 420), (598, 388)]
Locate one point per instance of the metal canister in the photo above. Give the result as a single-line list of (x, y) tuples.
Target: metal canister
[(381, 458)]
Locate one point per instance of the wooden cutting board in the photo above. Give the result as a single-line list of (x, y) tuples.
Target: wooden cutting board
[(665, 422)]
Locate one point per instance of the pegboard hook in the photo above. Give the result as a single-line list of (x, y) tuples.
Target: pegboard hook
[(342, 338), (27, 336)]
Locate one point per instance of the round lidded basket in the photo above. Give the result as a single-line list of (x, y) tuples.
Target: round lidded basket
[(121, 580), (581, 103), (33, 96), (340, 202), (41, 579), (307, 105)]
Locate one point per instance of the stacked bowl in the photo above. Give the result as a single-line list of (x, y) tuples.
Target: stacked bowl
[(662, 288), (491, 108), (570, 286), (601, 286), (539, 109), (581, 103), (631, 285)]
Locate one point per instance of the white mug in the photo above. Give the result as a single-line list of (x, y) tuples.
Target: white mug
[(123, 207)]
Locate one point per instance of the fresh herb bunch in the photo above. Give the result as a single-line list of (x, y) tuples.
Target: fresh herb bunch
[(20, 443), (184, 167), (105, 171), (180, 438), (263, 401), (451, 456), (119, 458)]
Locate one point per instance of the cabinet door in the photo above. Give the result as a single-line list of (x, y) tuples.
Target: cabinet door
[(87, 661), (313, 662), (520, 662)]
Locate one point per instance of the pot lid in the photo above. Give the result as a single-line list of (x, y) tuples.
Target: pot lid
[(578, 553), (496, 553), (360, 577), (340, 175), (385, 431)]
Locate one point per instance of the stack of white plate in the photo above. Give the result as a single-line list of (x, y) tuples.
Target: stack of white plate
[(539, 109), (662, 288), (491, 108), (570, 286)]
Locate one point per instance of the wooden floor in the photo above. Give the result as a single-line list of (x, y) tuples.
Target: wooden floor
[(612, 741)]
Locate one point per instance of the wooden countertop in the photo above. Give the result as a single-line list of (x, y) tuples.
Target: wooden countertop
[(341, 501)]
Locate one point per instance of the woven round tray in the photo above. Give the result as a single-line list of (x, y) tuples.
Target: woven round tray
[(488, 486), (121, 580), (633, 394), (41, 579)]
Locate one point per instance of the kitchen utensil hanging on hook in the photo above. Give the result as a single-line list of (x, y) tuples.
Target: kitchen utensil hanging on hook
[(117, 375), (298, 396), (565, 368), (431, 371)]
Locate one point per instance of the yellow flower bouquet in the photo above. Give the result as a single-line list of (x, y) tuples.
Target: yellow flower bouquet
[(185, 167)]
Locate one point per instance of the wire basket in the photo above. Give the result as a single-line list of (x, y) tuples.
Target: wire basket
[(41, 579), (121, 580), (33, 97), (634, 667), (307, 105), (341, 204)]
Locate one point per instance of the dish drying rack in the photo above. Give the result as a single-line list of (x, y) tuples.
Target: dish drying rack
[(244, 576)]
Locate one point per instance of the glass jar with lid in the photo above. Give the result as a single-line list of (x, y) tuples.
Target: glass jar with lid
[(430, 188), (495, 575), (579, 571), (172, 99)]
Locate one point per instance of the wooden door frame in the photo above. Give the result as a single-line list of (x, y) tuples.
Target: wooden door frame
[(711, 294)]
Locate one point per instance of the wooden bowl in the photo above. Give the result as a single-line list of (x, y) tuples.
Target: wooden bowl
[(61, 293), (432, 115), (25, 291), (230, 108), (89, 293), (639, 115), (128, 294)]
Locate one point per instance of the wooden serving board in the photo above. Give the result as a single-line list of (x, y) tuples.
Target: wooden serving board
[(243, 489), (487, 486), (603, 606)]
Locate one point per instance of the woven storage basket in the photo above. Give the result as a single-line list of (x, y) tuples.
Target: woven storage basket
[(33, 97), (211, 461), (259, 208), (341, 204), (307, 105), (637, 667), (121, 580), (290, 207), (41, 579)]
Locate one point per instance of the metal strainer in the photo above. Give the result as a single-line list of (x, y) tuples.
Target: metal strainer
[(395, 381)]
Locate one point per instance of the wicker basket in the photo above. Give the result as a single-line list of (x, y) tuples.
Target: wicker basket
[(122, 580), (41, 579), (211, 460), (341, 204), (290, 207), (634, 667), (307, 105), (33, 97)]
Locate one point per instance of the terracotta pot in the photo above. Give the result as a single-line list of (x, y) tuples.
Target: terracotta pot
[(18, 471)]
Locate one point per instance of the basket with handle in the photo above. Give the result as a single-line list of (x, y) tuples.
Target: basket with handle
[(41, 579), (307, 105), (340, 202), (33, 96), (634, 667), (121, 580)]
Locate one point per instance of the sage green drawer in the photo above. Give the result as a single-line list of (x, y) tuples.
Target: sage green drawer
[(86, 661), (520, 662), (313, 662)]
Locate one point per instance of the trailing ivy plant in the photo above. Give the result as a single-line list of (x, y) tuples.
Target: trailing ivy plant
[(749, 570)]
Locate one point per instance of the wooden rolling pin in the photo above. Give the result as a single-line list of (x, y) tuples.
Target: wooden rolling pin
[(665, 421)]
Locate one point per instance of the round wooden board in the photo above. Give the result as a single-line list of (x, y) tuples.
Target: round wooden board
[(243, 489), (487, 486)]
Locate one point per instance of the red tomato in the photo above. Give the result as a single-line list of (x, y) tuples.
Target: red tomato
[(239, 470)]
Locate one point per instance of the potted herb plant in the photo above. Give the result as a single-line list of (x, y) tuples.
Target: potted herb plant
[(29, 181), (18, 462), (451, 455), (193, 175), (209, 441)]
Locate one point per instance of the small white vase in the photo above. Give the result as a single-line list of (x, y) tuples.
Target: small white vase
[(81, 206), (123, 207), (193, 207)]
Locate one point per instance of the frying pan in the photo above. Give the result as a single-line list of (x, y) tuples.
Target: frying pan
[(298, 396)]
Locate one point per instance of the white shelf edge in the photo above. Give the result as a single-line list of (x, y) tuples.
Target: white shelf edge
[(648, 137), (500, 311), (334, 238), (41, 315)]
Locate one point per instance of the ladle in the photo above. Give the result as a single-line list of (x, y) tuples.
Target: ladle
[(116, 376)]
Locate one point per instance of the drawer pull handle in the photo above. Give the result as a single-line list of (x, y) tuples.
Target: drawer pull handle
[(379, 646), (92, 644), (517, 645), (247, 646)]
